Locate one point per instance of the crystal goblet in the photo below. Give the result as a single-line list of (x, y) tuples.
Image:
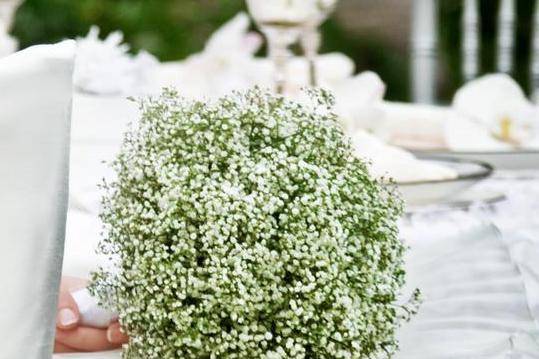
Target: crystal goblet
[(282, 22)]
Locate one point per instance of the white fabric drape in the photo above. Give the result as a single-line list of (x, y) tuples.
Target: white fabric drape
[(35, 104), (477, 303)]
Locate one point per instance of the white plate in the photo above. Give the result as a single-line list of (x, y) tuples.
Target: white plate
[(462, 201), (502, 160), (439, 191)]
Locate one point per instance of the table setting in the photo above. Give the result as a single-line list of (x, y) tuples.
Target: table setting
[(471, 204), (490, 119), (171, 162)]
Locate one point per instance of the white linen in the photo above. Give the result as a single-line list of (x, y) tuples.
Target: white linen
[(97, 132), (414, 126), (476, 299), (488, 282), (518, 214), (396, 163), (35, 103), (526, 256), (357, 100), (8, 44)]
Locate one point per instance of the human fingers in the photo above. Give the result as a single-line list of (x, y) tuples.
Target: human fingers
[(115, 335), (67, 315), (85, 339), (61, 348)]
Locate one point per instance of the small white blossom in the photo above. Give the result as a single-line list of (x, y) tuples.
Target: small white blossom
[(246, 228)]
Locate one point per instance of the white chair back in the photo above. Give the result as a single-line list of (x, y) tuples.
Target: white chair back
[(35, 112), (425, 45)]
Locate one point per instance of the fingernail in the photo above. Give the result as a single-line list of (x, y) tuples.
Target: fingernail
[(115, 334), (66, 317), (109, 335), (112, 336)]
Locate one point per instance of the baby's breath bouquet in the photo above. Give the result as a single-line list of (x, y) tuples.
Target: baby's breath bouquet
[(245, 228)]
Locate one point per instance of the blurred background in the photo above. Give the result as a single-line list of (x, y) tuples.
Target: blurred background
[(376, 34)]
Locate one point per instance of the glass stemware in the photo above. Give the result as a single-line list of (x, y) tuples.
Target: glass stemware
[(282, 22), (311, 37), (280, 37)]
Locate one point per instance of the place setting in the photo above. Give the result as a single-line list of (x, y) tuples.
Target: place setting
[(490, 120)]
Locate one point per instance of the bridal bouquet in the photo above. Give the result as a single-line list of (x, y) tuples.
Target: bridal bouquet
[(246, 228)]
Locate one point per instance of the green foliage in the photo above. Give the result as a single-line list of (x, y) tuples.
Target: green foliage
[(170, 29), (246, 228)]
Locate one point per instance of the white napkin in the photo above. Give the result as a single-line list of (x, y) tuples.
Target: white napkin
[(225, 64), (410, 125), (233, 40), (357, 100), (8, 44), (105, 67), (35, 103), (396, 163)]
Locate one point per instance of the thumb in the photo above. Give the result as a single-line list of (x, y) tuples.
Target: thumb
[(67, 316)]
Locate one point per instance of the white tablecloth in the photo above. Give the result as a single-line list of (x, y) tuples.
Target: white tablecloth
[(479, 272), (481, 286)]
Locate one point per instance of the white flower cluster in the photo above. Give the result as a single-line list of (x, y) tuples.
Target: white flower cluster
[(105, 67), (246, 228)]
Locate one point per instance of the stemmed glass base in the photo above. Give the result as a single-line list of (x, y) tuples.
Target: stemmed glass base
[(280, 37), (284, 22), (310, 42)]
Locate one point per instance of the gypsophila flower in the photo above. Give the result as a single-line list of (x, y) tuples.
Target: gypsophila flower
[(245, 228)]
